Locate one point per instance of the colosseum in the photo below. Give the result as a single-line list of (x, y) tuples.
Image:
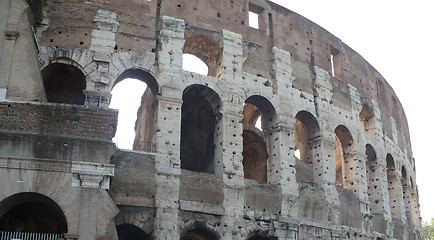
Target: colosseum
[(290, 135)]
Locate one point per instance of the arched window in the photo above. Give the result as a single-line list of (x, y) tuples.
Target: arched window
[(133, 93), (346, 166), (306, 131), (207, 50), (130, 231), (199, 120), (367, 119), (194, 64), (31, 212), (257, 143), (64, 83), (199, 234)]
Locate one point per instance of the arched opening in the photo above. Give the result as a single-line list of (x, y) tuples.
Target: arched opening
[(199, 234), (199, 120), (261, 238), (31, 212), (373, 177), (367, 119), (194, 64), (133, 94), (64, 83), (130, 231), (257, 149), (393, 187), (260, 235), (346, 165), (207, 50), (306, 132)]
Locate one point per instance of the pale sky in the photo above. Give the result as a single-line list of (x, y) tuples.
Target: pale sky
[(397, 38)]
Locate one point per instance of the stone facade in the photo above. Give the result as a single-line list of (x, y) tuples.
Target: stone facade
[(331, 159)]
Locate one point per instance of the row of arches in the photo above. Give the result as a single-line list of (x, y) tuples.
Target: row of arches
[(36, 213), (201, 126), (130, 231), (65, 81)]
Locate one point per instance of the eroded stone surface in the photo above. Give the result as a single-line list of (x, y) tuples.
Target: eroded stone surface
[(200, 168)]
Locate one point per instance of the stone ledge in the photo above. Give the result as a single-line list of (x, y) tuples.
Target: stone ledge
[(133, 201), (201, 207)]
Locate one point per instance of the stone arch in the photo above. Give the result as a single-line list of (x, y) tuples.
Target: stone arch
[(306, 132), (139, 74), (130, 231), (64, 82), (144, 124), (200, 124), (346, 164), (206, 49), (261, 235), (199, 232), (367, 119), (258, 107), (32, 212)]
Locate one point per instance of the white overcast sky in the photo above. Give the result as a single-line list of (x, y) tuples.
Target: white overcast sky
[(397, 38)]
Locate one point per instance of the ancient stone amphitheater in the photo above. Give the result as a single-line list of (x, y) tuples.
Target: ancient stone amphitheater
[(291, 135)]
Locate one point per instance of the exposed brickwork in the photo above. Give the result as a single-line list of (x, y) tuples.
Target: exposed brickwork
[(77, 121)]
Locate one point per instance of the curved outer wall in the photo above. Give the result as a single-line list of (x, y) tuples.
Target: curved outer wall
[(355, 177)]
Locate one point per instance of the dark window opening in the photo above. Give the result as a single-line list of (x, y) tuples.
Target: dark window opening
[(199, 234), (367, 119), (129, 231), (199, 120), (31, 212), (64, 83)]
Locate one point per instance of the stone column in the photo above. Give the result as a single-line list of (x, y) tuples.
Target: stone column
[(379, 202), (355, 178), (284, 171), (92, 178), (101, 72), (233, 175), (167, 127), (407, 198), (324, 165), (167, 166), (395, 195)]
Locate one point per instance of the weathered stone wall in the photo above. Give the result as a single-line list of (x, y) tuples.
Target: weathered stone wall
[(339, 189)]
